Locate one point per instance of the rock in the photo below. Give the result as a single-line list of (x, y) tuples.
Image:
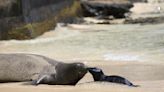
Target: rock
[(144, 1), (105, 8), (10, 8), (42, 15), (146, 20)]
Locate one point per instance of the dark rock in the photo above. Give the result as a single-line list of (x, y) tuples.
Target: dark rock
[(10, 8), (105, 8), (42, 15), (144, 1), (147, 20)]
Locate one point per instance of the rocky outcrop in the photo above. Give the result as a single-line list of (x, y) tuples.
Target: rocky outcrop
[(139, 1), (38, 10), (10, 8), (26, 19), (105, 8), (148, 20)]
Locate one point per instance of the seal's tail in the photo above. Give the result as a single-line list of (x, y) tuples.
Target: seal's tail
[(131, 84), (135, 85)]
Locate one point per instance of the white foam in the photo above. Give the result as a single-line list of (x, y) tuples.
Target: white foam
[(121, 57)]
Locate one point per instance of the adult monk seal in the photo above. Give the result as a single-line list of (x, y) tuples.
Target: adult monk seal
[(39, 69), (98, 75)]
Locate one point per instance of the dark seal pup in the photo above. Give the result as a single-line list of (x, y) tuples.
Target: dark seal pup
[(39, 69), (98, 75)]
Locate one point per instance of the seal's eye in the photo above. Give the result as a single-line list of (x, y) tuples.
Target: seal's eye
[(80, 72), (79, 65), (81, 68)]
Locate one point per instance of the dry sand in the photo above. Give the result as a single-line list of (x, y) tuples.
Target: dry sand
[(88, 44), (150, 77)]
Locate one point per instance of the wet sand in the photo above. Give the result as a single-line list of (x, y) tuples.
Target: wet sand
[(89, 44)]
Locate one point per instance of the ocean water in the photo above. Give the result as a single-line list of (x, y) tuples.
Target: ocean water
[(96, 42)]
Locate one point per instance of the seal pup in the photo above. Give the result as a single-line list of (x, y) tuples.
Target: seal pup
[(39, 69), (98, 75)]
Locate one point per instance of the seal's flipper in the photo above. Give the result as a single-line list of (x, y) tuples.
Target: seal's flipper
[(40, 80), (135, 85), (130, 83), (34, 82)]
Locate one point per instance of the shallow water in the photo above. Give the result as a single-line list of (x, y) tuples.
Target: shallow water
[(96, 42)]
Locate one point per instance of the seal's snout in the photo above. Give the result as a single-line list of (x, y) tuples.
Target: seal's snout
[(91, 68), (94, 69), (82, 68)]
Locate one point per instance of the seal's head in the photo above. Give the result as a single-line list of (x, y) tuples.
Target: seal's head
[(70, 74), (66, 74), (97, 73)]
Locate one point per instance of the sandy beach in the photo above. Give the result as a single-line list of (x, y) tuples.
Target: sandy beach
[(148, 76), (141, 61)]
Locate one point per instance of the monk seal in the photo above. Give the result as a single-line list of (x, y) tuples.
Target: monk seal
[(98, 75), (39, 69)]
